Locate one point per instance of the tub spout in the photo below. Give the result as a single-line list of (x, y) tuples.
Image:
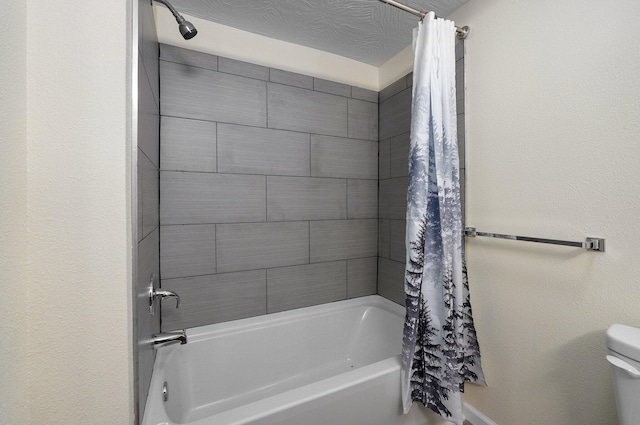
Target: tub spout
[(168, 338)]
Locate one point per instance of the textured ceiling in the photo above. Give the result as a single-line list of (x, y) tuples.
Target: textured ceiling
[(368, 31)]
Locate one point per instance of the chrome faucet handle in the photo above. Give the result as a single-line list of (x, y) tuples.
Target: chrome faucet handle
[(163, 293)]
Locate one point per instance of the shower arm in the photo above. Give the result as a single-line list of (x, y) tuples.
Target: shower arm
[(179, 18), (186, 28)]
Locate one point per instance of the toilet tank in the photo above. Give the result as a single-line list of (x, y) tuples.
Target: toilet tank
[(623, 343)]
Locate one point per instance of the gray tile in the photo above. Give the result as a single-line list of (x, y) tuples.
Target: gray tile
[(253, 150), (460, 107), (459, 49), (188, 57), (215, 298), (145, 323), (383, 238), (302, 286), (460, 76), (459, 102), (362, 277), (409, 79), (393, 198), (397, 231), (139, 172), (395, 115), (151, 73), (460, 92), (187, 145), (291, 79), (243, 69), (384, 159), (204, 198), (343, 239), (391, 280), (364, 94), (399, 155), (343, 158), (148, 121), (461, 140), (148, 141), (363, 120), (197, 93), (463, 197), (148, 266), (331, 87), (362, 199), (150, 191), (392, 89), (291, 108), (148, 46), (187, 250), (262, 245), (305, 198)]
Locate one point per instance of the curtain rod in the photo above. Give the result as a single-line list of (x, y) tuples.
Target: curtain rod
[(462, 32)]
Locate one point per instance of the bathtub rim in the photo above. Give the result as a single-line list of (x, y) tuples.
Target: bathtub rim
[(201, 333)]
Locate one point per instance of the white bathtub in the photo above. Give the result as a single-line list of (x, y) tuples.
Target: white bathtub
[(333, 364)]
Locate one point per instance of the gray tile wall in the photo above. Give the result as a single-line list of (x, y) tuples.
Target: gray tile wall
[(268, 189), (394, 130), (148, 231)]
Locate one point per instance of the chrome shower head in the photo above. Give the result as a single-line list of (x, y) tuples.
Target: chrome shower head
[(187, 29)]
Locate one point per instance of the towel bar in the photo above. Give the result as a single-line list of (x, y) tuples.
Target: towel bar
[(590, 244)]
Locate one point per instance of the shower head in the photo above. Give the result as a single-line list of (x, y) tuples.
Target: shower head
[(187, 29)]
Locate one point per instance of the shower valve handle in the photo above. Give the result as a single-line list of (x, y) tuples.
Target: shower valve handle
[(163, 293)]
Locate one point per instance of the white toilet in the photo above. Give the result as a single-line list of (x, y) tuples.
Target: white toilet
[(623, 344)]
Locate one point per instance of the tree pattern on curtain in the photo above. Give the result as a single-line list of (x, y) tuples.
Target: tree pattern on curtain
[(440, 345)]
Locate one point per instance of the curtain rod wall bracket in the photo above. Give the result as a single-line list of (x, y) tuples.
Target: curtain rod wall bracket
[(463, 32)]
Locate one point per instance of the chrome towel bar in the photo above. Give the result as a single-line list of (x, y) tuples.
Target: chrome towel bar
[(590, 244)]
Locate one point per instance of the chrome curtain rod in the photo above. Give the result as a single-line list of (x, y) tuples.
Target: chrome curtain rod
[(461, 31), (590, 244)]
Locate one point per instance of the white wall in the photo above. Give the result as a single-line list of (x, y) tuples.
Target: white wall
[(13, 208), (553, 119), (66, 350)]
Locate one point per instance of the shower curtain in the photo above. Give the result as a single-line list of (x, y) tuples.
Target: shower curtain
[(440, 346)]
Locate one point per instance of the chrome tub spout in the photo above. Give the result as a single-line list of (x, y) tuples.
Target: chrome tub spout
[(168, 338)]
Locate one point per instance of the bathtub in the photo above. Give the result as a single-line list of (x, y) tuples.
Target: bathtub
[(332, 364)]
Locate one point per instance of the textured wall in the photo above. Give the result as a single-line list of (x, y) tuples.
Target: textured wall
[(148, 191), (247, 46), (395, 128), (268, 189), (552, 151), (367, 31), (78, 361), (13, 218)]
